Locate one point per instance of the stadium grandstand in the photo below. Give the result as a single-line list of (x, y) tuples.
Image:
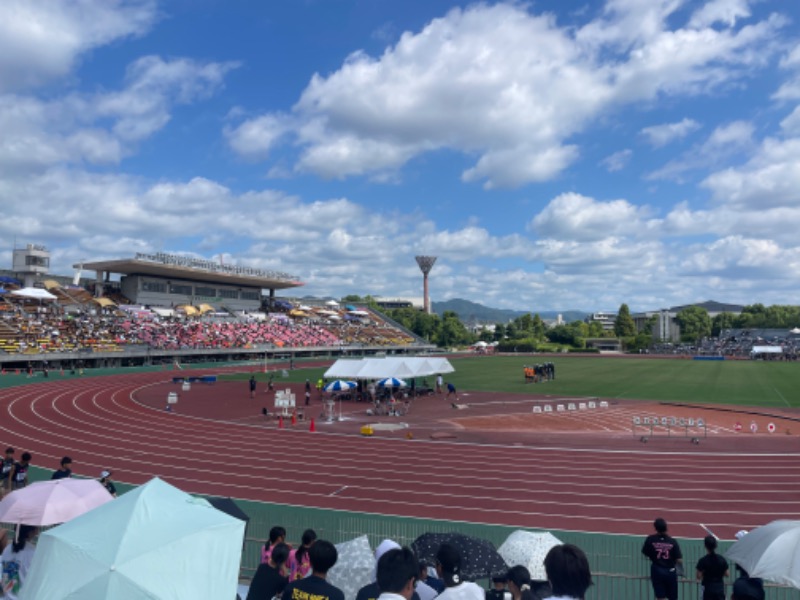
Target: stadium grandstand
[(167, 307)]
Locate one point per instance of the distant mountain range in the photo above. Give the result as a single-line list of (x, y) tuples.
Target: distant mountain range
[(472, 312)]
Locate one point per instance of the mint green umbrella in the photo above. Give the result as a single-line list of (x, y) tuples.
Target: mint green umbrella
[(153, 542)]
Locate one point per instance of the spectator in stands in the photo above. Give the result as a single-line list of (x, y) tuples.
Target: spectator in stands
[(371, 591), (105, 480), (19, 474), (498, 591), (568, 572), (523, 588), (277, 535), (426, 577), (711, 571), (323, 556), (448, 566), (748, 588), (270, 580), (299, 562), (5, 471), (65, 471), (397, 574), (17, 558), (667, 561)]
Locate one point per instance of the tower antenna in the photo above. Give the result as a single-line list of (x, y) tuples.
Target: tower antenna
[(425, 265)]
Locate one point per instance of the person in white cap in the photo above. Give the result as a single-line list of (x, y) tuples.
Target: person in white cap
[(371, 591), (105, 479)]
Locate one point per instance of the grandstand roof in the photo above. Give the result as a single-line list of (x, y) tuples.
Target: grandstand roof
[(173, 266)]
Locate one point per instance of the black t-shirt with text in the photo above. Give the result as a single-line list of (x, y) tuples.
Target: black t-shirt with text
[(312, 588), (662, 550)]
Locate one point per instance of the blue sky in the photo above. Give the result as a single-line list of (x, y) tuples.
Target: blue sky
[(553, 155)]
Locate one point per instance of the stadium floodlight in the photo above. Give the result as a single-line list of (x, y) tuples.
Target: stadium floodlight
[(425, 265)]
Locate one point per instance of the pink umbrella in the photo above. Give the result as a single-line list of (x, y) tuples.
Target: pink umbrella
[(52, 502)]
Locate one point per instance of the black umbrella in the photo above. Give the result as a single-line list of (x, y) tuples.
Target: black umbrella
[(230, 507), (479, 557)]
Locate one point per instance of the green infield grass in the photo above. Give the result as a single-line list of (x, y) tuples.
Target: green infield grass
[(747, 383)]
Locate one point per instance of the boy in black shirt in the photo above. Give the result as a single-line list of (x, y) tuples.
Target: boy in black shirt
[(323, 556)]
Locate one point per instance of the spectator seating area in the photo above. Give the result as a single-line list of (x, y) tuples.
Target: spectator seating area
[(739, 343), (76, 322)]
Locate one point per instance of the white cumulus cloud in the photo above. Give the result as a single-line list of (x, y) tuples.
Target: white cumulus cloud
[(503, 84)]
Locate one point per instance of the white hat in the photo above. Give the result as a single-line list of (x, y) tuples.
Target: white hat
[(741, 534), (382, 549), (105, 474)]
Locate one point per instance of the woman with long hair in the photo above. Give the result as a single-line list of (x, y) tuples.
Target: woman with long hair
[(448, 567), (299, 563), (522, 587), (17, 558), (712, 570)]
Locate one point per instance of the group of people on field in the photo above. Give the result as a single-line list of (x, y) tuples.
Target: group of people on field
[(539, 373)]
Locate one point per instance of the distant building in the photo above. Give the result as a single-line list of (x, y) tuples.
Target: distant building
[(605, 318), (30, 263), (162, 279), (667, 328), (393, 303)]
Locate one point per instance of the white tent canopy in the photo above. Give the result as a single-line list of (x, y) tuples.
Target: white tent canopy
[(35, 293), (767, 350), (379, 368)]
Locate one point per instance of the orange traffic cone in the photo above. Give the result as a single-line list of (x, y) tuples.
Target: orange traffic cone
[(313, 427), (280, 422), (294, 418)]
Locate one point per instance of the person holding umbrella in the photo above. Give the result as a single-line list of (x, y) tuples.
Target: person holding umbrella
[(448, 567), (17, 558)]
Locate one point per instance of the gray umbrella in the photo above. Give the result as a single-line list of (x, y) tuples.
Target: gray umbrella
[(771, 552), (354, 568)]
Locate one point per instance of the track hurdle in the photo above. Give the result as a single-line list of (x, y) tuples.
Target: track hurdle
[(647, 427)]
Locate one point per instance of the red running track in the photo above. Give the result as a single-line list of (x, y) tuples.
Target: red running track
[(97, 422)]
